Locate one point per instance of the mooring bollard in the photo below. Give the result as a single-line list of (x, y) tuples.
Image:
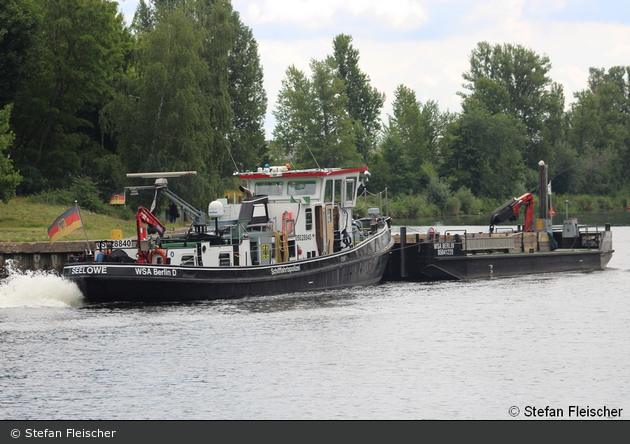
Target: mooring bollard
[(403, 252)]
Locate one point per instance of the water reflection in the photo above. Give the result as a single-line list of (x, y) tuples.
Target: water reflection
[(295, 301), (254, 304)]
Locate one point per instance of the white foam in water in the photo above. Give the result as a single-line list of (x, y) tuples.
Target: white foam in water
[(37, 289)]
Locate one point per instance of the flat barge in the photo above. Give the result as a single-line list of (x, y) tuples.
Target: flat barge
[(463, 255), (537, 246)]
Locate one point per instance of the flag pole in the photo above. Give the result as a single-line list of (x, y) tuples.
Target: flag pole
[(76, 203)]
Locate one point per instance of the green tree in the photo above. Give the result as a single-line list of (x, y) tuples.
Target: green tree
[(143, 18), (293, 113), (565, 169), (232, 56), (411, 140), (485, 155), (163, 118), (404, 146), (216, 17), (511, 79), (248, 100), (599, 128), (364, 101), (81, 55), (9, 178), (19, 21), (312, 117)]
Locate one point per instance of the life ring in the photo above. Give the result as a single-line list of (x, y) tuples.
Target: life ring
[(157, 256)]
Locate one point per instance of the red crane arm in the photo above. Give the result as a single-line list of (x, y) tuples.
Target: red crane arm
[(144, 216), (511, 209), (528, 200)]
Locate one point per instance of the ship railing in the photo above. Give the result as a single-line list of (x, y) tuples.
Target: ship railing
[(233, 234), (484, 243), (258, 230), (358, 233), (458, 239), (589, 229), (590, 237)]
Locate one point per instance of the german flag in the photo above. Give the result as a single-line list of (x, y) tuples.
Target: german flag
[(65, 224), (117, 199)]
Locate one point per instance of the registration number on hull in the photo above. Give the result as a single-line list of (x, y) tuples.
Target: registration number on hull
[(114, 243)]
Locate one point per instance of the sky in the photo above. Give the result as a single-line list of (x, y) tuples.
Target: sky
[(426, 44)]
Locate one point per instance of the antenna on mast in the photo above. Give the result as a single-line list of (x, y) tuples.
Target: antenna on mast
[(198, 217), (309, 150)]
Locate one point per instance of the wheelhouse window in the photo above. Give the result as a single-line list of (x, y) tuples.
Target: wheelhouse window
[(338, 191), (268, 188), (304, 188), (328, 191), (349, 192)]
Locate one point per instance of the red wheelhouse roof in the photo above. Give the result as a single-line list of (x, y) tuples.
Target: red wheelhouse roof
[(300, 173)]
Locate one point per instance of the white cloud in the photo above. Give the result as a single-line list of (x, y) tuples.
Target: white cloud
[(312, 15), (128, 8), (497, 11), (546, 5)]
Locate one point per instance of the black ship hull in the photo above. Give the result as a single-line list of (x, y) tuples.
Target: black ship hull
[(424, 262), (134, 282)]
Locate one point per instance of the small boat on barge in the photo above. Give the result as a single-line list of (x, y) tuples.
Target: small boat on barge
[(535, 247), (295, 231)]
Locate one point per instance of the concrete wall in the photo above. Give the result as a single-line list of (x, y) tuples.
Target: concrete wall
[(40, 255)]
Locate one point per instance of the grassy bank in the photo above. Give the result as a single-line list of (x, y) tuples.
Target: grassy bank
[(22, 220)]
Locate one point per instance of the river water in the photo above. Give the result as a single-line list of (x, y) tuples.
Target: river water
[(486, 349)]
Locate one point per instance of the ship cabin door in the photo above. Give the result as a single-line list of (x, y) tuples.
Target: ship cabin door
[(324, 228), (319, 228), (330, 236)]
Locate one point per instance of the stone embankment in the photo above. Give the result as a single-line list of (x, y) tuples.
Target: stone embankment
[(44, 256), (40, 255)]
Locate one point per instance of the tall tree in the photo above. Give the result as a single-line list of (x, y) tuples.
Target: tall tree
[(512, 79), (233, 60), (216, 19), (485, 154), (312, 117), (143, 18), (19, 22), (9, 178), (80, 56), (364, 101), (404, 145), (599, 128), (248, 100), (163, 119), (411, 140)]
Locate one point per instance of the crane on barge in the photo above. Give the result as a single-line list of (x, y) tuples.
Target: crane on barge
[(511, 210)]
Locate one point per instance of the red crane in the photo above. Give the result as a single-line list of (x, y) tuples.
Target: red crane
[(144, 216), (511, 210)]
